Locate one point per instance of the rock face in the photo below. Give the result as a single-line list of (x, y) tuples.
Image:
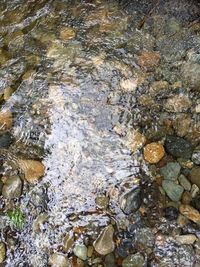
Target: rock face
[(33, 170), (178, 147), (12, 187), (104, 244), (154, 152), (131, 201), (172, 189), (171, 171), (135, 260), (195, 176)]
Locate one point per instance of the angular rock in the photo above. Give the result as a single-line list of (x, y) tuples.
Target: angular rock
[(104, 244), (58, 260), (190, 213), (154, 152), (134, 260), (33, 170), (12, 187), (195, 176), (170, 171), (131, 201), (80, 250), (173, 190), (178, 147)]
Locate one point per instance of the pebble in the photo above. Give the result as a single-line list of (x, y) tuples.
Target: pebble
[(157, 86), (134, 260), (80, 250), (67, 33), (58, 260), (178, 147), (2, 252), (5, 119), (129, 85), (102, 202), (182, 124), (148, 60), (171, 213), (170, 171), (153, 152), (37, 224), (190, 213), (184, 182), (194, 190), (110, 260), (5, 140), (33, 170), (145, 239), (173, 190), (196, 202), (186, 239), (178, 103), (186, 198), (131, 201), (195, 176), (196, 155), (12, 187), (104, 244), (191, 75), (8, 91), (135, 140), (197, 108)]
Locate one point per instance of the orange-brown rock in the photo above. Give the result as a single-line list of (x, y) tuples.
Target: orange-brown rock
[(148, 60), (33, 170), (190, 213), (5, 119), (153, 152)]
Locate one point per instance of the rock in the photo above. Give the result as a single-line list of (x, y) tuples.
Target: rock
[(102, 202), (2, 252), (90, 251), (190, 213), (12, 187), (197, 108), (80, 250), (178, 147), (185, 163), (68, 242), (178, 103), (5, 140), (170, 171), (154, 152), (196, 202), (171, 213), (196, 155), (135, 140), (58, 260), (194, 190), (173, 190), (104, 244), (182, 125), (191, 75), (186, 239), (134, 260), (129, 85), (67, 33), (131, 201), (110, 260), (43, 217), (195, 176), (145, 239), (157, 86), (184, 182), (186, 198), (5, 119), (33, 170), (148, 60)]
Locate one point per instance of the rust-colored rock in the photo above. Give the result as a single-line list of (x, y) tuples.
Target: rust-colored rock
[(33, 170), (5, 119), (190, 213), (153, 152), (148, 60)]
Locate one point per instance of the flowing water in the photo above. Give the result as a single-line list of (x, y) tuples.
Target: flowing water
[(83, 100)]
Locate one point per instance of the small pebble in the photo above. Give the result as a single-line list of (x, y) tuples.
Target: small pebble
[(171, 213), (153, 152), (189, 212)]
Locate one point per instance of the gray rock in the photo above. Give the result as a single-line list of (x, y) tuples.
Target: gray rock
[(173, 190), (5, 140), (191, 75), (145, 239), (184, 182), (104, 244), (12, 188), (80, 250), (134, 260), (196, 156), (178, 147), (2, 252), (171, 171), (131, 201)]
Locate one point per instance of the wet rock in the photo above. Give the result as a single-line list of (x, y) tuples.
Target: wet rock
[(68, 242), (186, 198), (67, 33), (173, 190), (134, 260), (195, 176), (178, 103), (157, 86), (191, 75), (178, 147), (154, 152), (80, 250), (5, 140), (145, 239), (194, 190), (171, 213), (185, 163), (102, 202), (196, 202), (197, 108), (186, 239), (104, 244), (148, 60), (110, 260), (58, 260), (196, 155), (5, 119), (190, 213), (12, 187), (8, 91), (182, 125), (131, 201), (184, 182), (33, 170), (2, 252), (171, 171), (39, 221), (135, 140)]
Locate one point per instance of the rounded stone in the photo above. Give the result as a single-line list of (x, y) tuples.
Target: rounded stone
[(172, 189), (153, 152), (80, 250), (171, 213), (196, 156), (5, 140)]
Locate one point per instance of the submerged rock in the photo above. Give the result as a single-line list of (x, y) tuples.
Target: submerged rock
[(148, 60), (33, 170), (186, 239), (172, 189), (6, 119), (134, 260), (171, 213), (178, 103), (58, 260), (5, 140), (171, 171), (80, 250), (196, 155), (195, 176), (104, 244), (2, 252), (184, 182), (131, 201), (145, 239), (67, 33), (191, 213), (12, 187), (154, 152), (191, 75)]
